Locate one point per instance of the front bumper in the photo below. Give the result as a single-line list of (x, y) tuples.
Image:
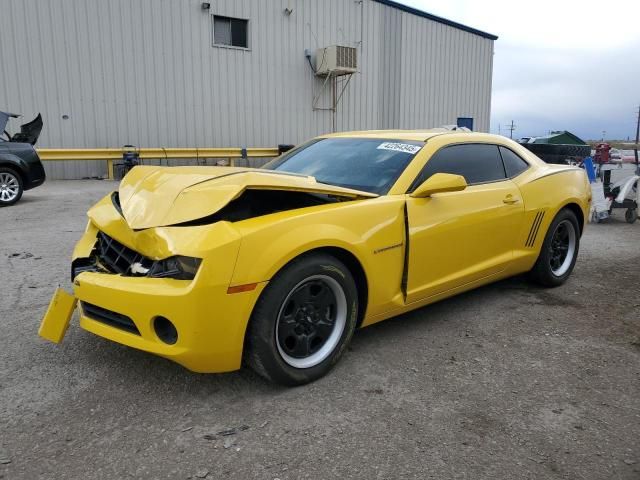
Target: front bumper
[(210, 322)]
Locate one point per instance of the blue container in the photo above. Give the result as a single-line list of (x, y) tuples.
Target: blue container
[(590, 168)]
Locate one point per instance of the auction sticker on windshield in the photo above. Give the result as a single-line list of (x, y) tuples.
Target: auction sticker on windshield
[(400, 147)]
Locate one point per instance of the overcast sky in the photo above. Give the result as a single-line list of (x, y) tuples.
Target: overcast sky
[(558, 65)]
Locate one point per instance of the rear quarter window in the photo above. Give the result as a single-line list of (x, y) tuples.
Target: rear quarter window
[(513, 164)]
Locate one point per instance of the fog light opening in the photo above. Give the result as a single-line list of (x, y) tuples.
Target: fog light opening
[(165, 330)]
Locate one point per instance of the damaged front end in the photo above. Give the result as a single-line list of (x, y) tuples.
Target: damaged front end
[(153, 199), (111, 256), (156, 196), (154, 267)]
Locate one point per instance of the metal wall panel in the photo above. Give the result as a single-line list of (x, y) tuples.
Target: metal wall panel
[(145, 72)]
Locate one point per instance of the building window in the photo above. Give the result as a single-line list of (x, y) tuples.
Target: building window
[(230, 32)]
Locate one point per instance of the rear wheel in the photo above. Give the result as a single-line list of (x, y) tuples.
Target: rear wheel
[(559, 251), (303, 321), (11, 187), (631, 215)]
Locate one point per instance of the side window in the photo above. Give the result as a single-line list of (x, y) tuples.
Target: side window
[(477, 163), (513, 164)]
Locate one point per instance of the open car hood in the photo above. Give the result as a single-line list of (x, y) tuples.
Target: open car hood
[(4, 118), (162, 196), (29, 132)]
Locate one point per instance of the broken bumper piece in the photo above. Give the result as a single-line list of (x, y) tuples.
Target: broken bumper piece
[(56, 320)]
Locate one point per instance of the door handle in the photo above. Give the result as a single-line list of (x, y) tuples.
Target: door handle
[(510, 200)]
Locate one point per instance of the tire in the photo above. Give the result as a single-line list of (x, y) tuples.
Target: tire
[(11, 187), (631, 215), (287, 342), (558, 154), (553, 268), (573, 150), (558, 149)]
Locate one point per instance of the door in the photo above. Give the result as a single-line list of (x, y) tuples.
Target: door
[(459, 237), (465, 122)]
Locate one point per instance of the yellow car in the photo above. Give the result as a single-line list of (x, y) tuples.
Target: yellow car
[(210, 266)]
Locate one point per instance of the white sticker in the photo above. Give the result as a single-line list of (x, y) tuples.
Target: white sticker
[(400, 147)]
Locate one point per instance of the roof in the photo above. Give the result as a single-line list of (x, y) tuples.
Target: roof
[(413, 135), (435, 18), (417, 135), (562, 137)]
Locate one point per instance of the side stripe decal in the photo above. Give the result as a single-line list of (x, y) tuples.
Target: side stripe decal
[(533, 233)]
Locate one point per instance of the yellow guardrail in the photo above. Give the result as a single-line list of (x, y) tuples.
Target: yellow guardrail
[(111, 154)]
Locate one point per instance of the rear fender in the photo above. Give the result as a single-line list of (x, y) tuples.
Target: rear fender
[(14, 162)]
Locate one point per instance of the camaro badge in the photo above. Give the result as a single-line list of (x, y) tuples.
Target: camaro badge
[(384, 249)]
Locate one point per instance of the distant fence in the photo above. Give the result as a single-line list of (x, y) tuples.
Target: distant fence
[(114, 155)]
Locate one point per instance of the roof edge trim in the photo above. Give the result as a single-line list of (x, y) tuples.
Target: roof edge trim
[(435, 18)]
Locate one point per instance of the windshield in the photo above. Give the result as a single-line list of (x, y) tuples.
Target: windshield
[(371, 165)]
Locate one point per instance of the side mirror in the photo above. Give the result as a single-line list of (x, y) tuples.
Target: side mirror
[(439, 183)]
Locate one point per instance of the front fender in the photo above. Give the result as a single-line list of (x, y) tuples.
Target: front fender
[(263, 262), (371, 230)]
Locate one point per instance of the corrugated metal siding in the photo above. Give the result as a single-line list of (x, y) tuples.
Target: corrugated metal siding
[(454, 82), (146, 73), (390, 48)]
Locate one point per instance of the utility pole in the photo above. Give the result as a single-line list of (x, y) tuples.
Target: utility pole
[(511, 128), (635, 150)]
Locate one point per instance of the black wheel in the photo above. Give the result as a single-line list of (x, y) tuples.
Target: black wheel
[(559, 251), (303, 321), (631, 215), (11, 187)]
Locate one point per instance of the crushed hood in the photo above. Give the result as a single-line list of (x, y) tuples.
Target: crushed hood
[(162, 196)]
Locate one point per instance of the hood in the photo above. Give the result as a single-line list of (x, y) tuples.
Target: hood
[(162, 196), (29, 132)]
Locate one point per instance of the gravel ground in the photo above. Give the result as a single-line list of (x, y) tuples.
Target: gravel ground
[(508, 381)]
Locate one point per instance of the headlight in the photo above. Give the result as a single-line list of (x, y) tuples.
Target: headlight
[(178, 267)]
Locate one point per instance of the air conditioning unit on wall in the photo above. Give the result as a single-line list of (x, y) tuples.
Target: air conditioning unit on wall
[(336, 60)]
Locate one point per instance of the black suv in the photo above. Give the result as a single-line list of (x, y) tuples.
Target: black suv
[(20, 166)]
